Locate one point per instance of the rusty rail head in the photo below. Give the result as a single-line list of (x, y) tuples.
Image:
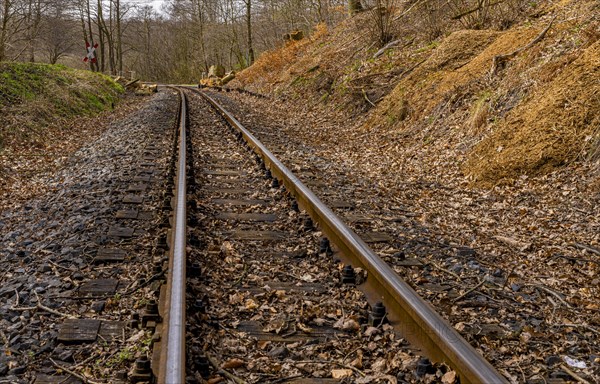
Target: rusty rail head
[(172, 350), (408, 312)]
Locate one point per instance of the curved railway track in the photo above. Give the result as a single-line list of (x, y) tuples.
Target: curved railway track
[(388, 295), (202, 258), (266, 284)]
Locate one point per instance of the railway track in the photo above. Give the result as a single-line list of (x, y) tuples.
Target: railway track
[(199, 257), (410, 223), (81, 261), (265, 283), (275, 280)]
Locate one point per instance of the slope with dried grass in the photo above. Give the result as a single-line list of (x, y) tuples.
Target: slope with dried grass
[(554, 126), (535, 112)]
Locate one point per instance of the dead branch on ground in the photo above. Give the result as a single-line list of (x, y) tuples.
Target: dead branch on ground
[(499, 60)]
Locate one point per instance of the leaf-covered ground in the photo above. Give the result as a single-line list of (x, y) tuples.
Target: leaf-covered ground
[(515, 268), (48, 112)]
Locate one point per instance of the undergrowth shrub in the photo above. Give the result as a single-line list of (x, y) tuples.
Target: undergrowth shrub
[(381, 20), (435, 18)]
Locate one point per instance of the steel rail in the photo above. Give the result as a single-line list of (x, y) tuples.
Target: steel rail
[(172, 353), (416, 319)]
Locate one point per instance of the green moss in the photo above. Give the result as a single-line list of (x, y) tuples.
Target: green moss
[(45, 92), (22, 82), (123, 356), (299, 81), (391, 118), (429, 47)]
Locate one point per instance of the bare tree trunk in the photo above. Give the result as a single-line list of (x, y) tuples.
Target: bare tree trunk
[(93, 63), (12, 23), (6, 16), (148, 39), (200, 22), (323, 12), (119, 37), (380, 14), (30, 31), (82, 19), (109, 32), (101, 35), (249, 28)]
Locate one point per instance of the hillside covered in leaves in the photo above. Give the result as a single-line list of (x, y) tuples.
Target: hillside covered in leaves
[(518, 96)]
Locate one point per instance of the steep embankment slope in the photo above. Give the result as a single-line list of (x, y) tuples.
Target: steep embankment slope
[(496, 104), (414, 134), (556, 124)]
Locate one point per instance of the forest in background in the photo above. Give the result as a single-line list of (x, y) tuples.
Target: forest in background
[(180, 42)]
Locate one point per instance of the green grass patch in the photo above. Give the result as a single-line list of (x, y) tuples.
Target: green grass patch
[(35, 96)]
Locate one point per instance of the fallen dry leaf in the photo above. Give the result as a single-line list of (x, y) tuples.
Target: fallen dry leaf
[(251, 304), (233, 363), (350, 325), (304, 328), (358, 362), (341, 373), (379, 365), (449, 377)]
